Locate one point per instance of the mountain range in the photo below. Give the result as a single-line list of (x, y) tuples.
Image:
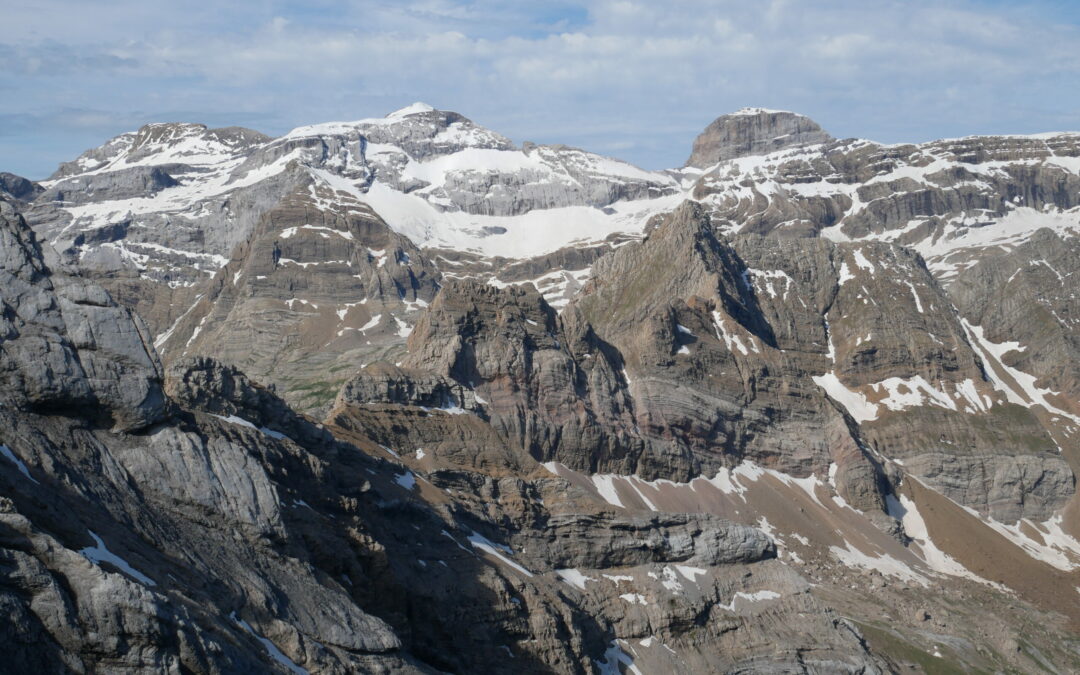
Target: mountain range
[(399, 395)]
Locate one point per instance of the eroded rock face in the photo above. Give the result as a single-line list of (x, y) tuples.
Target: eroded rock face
[(598, 542), (66, 344), (753, 131), (1026, 297), (134, 183), (18, 189), (691, 352), (940, 198), (311, 290)]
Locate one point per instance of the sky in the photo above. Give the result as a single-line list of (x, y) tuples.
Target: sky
[(634, 80)]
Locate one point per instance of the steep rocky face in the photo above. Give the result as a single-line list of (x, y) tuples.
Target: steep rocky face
[(313, 292), (66, 344), (753, 131), (553, 393), (114, 587), (1026, 296), (736, 344), (17, 189), (688, 353)]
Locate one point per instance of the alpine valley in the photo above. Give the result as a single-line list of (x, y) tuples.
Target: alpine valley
[(399, 395)]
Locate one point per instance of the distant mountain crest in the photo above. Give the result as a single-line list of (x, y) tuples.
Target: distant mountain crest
[(753, 131)]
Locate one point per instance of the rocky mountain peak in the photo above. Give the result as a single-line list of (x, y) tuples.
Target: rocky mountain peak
[(17, 187), (189, 142), (753, 131), (164, 143)]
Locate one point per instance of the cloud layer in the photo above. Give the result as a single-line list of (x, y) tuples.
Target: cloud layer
[(623, 77)]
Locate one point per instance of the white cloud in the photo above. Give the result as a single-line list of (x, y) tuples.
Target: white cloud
[(611, 74)]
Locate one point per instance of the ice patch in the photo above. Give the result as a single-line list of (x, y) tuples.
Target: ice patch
[(371, 324), (691, 573), (862, 263), (857, 405), (731, 340), (845, 274), (668, 580), (905, 510), (915, 294), (883, 562), (728, 480), (240, 421), (1030, 394), (1057, 547), (605, 485), (613, 657)]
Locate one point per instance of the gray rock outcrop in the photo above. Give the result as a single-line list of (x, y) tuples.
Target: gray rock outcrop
[(753, 131)]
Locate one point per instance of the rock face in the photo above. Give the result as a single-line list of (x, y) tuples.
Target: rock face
[(310, 293), (753, 131), (66, 345), (689, 353), (952, 201), (136, 182), (17, 189), (1026, 296)]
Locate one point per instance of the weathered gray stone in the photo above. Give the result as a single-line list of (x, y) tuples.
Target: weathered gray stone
[(753, 131)]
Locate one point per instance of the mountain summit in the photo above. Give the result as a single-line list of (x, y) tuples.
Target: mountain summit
[(753, 131)]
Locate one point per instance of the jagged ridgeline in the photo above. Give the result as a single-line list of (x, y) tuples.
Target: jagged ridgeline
[(399, 395)]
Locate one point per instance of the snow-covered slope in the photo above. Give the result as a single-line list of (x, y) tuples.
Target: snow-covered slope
[(150, 199), (950, 200), (169, 191)]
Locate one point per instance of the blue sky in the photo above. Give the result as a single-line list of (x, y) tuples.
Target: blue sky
[(637, 80)]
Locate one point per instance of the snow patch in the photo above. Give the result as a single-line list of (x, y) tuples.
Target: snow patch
[(270, 647), (6, 452), (406, 480), (99, 553), (487, 546), (574, 577), (756, 596)]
